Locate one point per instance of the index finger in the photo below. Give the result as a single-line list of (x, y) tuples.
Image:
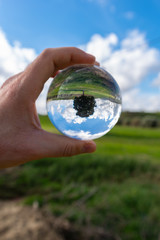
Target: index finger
[(48, 63)]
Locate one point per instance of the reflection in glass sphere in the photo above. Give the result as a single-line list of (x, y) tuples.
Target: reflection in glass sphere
[(84, 105), (84, 102)]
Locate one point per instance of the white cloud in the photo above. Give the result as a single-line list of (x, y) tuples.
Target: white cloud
[(156, 81), (13, 57), (130, 63), (84, 135), (101, 47), (135, 100)]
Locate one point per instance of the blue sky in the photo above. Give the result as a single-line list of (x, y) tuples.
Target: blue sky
[(64, 117), (39, 24), (124, 36)]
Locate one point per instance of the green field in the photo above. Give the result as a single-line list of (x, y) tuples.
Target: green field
[(116, 188), (88, 82)]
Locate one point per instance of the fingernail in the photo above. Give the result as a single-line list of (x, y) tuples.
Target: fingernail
[(89, 147)]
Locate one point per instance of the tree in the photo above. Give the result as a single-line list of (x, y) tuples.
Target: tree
[(84, 105)]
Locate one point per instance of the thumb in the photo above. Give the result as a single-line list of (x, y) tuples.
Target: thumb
[(54, 145)]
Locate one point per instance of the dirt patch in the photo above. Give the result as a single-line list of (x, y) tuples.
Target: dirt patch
[(19, 222)]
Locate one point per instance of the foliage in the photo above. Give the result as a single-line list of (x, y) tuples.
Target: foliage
[(141, 119)]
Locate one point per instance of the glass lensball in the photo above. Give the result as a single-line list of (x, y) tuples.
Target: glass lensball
[(84, 102)]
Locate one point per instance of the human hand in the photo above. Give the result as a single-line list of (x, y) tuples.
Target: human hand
[(21, 137)]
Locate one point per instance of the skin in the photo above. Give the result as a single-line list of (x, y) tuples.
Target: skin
[(21, 137)]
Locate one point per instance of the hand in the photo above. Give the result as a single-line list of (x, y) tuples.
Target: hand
[(21, 137)]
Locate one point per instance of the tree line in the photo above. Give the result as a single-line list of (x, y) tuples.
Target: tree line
[(140, 119)]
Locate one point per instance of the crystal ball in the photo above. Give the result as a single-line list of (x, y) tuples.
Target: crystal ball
[(84, 102)]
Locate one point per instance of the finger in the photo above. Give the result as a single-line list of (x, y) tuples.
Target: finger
[(48, 63), (54, 145)]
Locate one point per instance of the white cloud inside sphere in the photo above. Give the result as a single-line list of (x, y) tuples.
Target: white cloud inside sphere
[(84, 135)]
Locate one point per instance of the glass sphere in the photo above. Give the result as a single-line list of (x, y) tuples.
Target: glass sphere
[(84, 102)]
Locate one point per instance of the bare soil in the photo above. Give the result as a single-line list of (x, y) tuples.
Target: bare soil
[(23, 223), (19, 222)]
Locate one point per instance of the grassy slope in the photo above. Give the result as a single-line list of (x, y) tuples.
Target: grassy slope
[(117, 188)]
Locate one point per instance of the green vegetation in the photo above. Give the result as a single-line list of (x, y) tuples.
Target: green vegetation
[(140, 119), (116, 188), (87, 82)]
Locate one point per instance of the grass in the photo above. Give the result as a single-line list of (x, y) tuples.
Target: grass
[(116, 188), (87, 81)]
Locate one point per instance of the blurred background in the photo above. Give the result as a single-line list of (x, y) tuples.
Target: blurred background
[(115, 192)]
